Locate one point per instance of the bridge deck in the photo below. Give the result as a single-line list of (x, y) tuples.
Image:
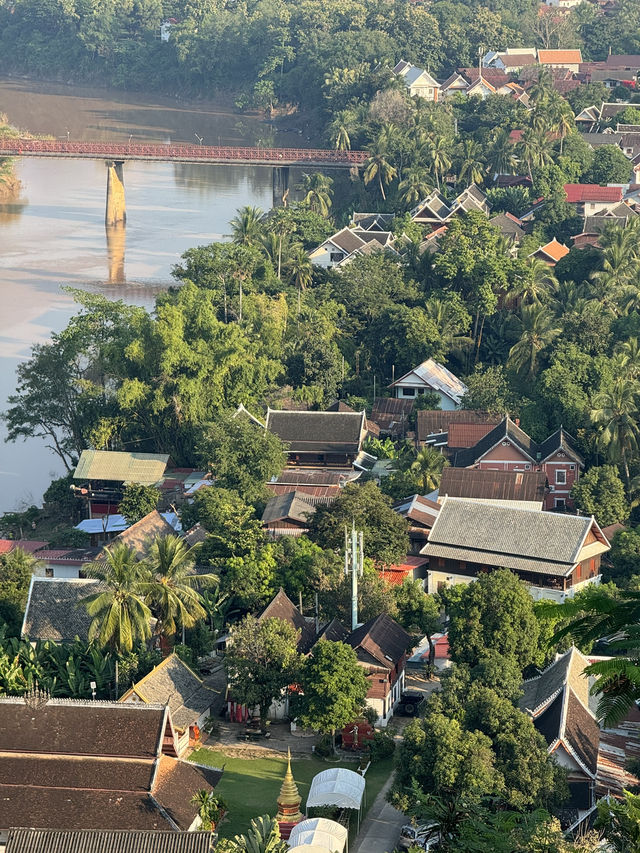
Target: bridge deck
[(330, 158)]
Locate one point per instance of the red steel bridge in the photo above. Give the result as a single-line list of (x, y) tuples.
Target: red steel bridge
[(181, 153)]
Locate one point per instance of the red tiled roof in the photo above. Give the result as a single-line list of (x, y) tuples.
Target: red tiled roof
[(29, 546), (467, 435), (591, 192)]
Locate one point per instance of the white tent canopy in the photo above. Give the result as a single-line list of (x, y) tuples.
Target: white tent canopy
[(318, 833), (307, 848), (337, 787)]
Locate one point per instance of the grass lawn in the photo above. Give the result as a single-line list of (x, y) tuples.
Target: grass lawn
[(250, 786)]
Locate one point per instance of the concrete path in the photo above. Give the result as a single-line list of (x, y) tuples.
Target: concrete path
[(380, 829)]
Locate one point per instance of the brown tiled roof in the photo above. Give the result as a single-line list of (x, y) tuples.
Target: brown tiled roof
[(390, 410), (54, 771), (66, 727), (176, 782), (281, 607), (318, 432), (493, 485), (347, 240), (115, 841), (466, 435), (382, 639), (141, 534), (64, 808), (334, 631), (434, 420), (506, 429), (418, 509), (558, 702)]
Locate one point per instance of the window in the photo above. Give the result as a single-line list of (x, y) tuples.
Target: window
[(336, 257), (559, 503), (561, 476), (441, 585), (408, 392), (48, 572)]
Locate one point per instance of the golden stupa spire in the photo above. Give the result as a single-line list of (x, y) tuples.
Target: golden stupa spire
[(289, 799)]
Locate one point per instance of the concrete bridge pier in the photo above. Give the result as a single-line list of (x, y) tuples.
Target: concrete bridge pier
[(116, 209), (116, 242), (280, 186)]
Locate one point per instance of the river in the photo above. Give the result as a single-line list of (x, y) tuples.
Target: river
[(53, 235)]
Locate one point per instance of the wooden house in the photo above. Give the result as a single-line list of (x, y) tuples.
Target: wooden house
[(554, 554), (324, 439)]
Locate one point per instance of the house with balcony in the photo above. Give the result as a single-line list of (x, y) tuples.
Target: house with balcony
[(103, 474), (554, 554)]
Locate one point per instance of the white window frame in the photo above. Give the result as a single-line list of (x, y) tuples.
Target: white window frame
[(561, 477)]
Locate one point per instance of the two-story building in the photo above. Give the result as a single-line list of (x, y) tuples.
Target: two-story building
[(554, 554), (418, 81), (508, 448), (431, 377), (326, 439), (381, 647)]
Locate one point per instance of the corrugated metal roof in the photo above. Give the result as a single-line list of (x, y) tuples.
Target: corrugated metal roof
[(117, 466), (438, 377), (102, 841), (493, 485)]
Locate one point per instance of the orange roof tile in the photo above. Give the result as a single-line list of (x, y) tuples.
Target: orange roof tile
[(559, 56), (554, 250)]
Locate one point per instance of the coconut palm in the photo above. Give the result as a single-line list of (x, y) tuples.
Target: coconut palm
[(437, 154), (120, 616), (536, 284), (281, 225), (446, 318), (427, 466), (615, 410), (413, 186), (317, 189), (300, 269), (246, 225), (629, 352), (377, 166), (563, 123), (472, 167), (172, 592), (599, 613), (619, 260), (339, 130), (538, 330), (535, 149), (500, 155)]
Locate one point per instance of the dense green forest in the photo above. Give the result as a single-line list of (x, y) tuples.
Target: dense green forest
[(320, 55)]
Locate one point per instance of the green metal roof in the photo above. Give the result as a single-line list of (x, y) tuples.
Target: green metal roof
[(143, 468)]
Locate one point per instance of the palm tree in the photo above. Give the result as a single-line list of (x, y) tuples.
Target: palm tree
[(263, 837), (500, 155), (599, 613), (543, 86), (318, 192), (172, 593), (564, 123), (615, 410), (447, 320), (209, 807), (281, 225), (629, 352), (339, 130), (413, 186), (437, 154), (427, 466), (619, 260), (472, 165), (537, 332), (246, 226), (535, 149), (535, 286), (300, 269), (120, 617), (378, 167)]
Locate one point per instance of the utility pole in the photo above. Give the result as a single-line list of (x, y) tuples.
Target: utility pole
[(354, 563)]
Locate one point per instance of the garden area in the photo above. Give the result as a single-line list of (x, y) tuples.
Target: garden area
[(250, 786)]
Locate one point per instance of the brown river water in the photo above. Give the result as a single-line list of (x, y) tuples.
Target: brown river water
[(53, 234)]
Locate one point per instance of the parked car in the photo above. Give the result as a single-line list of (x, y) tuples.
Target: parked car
[(425, 836), (410, 704)]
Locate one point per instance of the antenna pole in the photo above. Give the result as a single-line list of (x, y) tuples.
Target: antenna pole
[(354, 578)]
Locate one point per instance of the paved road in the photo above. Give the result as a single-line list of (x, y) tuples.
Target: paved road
[(380, 829)]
